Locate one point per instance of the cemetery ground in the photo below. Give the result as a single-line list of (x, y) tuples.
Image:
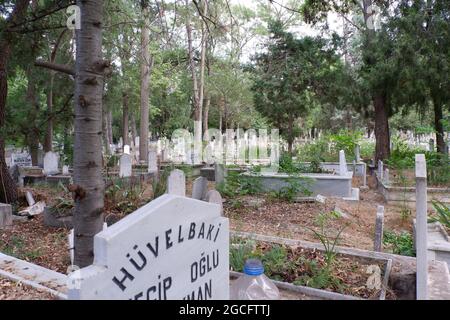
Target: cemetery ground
[(31, 240)]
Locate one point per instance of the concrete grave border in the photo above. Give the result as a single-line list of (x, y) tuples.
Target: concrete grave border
[(323, 294)]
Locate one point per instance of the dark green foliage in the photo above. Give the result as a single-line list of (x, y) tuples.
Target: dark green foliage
[(442, 213), (237, 184), (328, 146), (399, 243), (296, 187), (290, 76)]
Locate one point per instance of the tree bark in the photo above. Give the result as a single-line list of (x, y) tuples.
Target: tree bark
[(199, 112), (32, 132), (379, 98), (290, 138), (196, 95), (8, 189), (438, 126), (48, 141), (125, 119), (89, 187), (105, 128), (382, 134), (207, 103), (134, 133), (145, 83), (110, 130)]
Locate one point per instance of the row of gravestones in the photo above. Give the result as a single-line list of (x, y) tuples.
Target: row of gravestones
[(171, 249), (126, 164), (50, 162)]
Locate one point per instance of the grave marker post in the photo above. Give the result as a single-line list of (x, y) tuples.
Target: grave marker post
[(5, 215), (379, 226), (343, 171), (421, 228)]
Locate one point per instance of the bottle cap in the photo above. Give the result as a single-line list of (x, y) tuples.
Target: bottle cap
[(253, 267)]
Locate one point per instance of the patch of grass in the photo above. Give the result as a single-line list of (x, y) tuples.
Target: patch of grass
[(16, 247), (298, 186), (399, 243)]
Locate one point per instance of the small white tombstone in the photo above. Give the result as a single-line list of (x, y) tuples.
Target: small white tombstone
[(199, 188), (126, 149), (421, 228), (65, 170), (30, 199), (386, 177), (379, 226), (51, 163), (21, 160), (171, 249), (6, 219), (380, 170), (125, 166), (176, 183), (213, 196), (343, 171), (320, 198), (358, 153), (152, 161), (431, 145), (219, 171), (71, 239)]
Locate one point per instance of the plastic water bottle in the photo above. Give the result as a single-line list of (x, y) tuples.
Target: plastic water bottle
[(254, 284)]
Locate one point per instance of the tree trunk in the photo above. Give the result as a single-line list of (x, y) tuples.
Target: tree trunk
[(438, 126), (110, 130), (105, 128), (89, 189), (290, 138), (196, 94), (125, 116), (134, 133), (382, 135), (48, 140), (33, 107), (201, 96), (8, 189), (206, 114), (145, 83)]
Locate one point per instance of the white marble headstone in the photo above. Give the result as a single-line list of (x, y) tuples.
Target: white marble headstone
[(65, 170), (152, 161), (126, 149), (20, 159), (199, 188), (51, 163), (343, 171), (173, 248), (176, 183), (125, 166)]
